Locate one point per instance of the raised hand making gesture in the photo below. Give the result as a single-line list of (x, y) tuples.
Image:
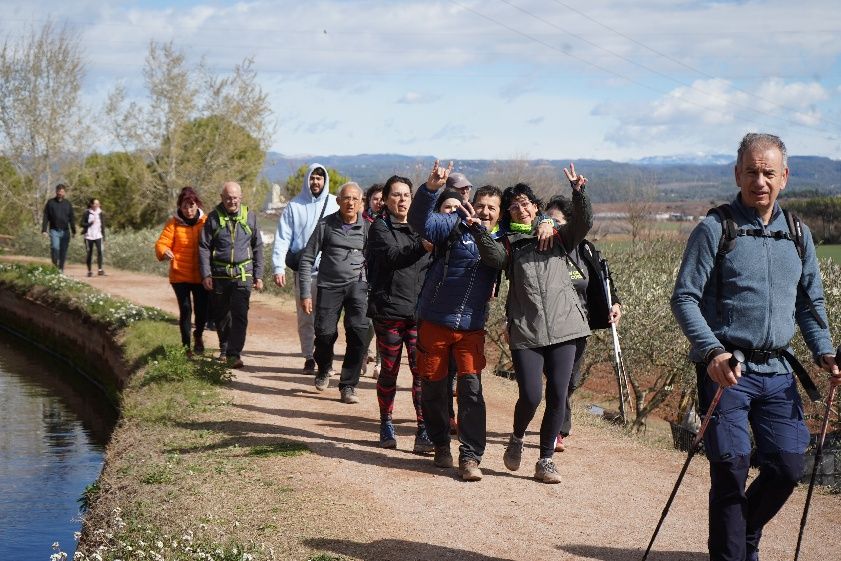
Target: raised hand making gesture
[(575, 181), (438, 176)]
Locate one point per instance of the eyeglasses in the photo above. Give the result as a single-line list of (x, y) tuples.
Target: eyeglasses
[(519, 206)]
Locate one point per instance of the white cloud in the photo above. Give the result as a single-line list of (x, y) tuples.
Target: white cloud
[(415, 98)]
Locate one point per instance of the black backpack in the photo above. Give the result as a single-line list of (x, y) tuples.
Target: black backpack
[(730, 232)]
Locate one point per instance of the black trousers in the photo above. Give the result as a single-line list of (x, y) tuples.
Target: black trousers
[(530, 366), (231, 298), (190, 297), (89, 245), (330, 302)]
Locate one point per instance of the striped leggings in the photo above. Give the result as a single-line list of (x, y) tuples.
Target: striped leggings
[(391, 336)]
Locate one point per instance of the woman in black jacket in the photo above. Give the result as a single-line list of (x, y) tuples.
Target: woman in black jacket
[(397, 263), (590, 290)]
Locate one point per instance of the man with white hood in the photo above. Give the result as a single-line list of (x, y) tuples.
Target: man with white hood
[(294, 229)]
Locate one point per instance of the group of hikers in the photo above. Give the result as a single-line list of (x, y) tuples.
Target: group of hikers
[(418, 268)]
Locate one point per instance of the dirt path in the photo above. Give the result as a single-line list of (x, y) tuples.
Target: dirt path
[(373, 504)]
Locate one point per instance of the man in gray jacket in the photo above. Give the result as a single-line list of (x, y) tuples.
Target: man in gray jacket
[(749, 298), (231, 262), (341, 238)]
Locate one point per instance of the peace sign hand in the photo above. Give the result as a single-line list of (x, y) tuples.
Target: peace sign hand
[(438, 176), (575, 181)]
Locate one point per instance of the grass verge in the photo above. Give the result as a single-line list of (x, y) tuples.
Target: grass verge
[(181, 480)]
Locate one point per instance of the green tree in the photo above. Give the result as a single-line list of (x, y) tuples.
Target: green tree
[(41, 114), (15, 211), (180, 130), (214, 150), (117, 180), (294, 183)]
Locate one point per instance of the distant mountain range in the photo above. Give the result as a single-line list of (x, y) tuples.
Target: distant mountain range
[(667, 178)]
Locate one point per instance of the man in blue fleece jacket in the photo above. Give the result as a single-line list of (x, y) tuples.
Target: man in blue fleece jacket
[(765, 289)]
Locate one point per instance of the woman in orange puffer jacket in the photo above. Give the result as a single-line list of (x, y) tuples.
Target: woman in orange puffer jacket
[(179, 243)]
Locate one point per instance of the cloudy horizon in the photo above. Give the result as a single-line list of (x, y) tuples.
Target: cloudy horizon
[(493, 79)]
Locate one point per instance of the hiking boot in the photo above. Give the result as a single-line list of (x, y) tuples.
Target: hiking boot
[(559, 443), (513, 453), (544, 470), (422, 443), (348, 394), (235, 362), (101, 273), (469, 470), (387, 437), (198, 343), (443, 457), (309, 366), (322, 381)]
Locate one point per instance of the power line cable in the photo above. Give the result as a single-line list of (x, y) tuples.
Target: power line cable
[(622, 76), (671, 58)]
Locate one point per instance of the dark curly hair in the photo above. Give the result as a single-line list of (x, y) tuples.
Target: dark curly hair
[(561, 203)]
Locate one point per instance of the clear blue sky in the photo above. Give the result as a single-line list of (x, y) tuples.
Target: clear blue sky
[(494, 78)]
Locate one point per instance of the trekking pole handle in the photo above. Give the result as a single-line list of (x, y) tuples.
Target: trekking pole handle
[(738, 357)]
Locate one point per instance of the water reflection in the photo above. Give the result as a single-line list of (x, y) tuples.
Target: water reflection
[(54, 427)]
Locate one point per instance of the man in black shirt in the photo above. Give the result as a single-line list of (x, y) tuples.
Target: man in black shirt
[(58, 216)]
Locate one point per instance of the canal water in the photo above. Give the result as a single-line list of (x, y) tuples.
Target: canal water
[(54, 425)]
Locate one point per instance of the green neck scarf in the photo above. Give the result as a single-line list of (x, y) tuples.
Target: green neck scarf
[(518, 228)]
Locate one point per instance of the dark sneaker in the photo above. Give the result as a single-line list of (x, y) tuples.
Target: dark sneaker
[(309, 366), (422, 443), (513, 453), (545, 471), (387, 437), (349, 395), (101, 273), (443, 457), (559, 443), (198, 343), (469, 470), (322, 381), (90, 274)]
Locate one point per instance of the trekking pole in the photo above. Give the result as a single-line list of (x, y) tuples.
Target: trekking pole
[(818, 457), (618, 360), (737, 357)]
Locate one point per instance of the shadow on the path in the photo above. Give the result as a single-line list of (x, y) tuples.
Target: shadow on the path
[(244, 434), (396, 549), (604, 553)]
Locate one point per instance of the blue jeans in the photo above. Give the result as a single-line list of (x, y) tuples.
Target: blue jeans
[(770, 404), (59, 242)]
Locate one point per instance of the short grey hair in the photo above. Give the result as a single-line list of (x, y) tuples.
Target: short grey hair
[(351, 185), (761, 140)]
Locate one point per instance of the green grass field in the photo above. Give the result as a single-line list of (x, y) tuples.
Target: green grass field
[(830, 251)]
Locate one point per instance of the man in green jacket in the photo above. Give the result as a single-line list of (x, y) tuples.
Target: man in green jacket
[(231, 262)]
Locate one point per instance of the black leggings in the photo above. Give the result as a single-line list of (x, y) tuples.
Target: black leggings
[(89, 245), (183, 290), (529, 366)]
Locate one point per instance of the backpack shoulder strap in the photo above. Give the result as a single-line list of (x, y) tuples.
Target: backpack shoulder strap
[(795, 229), (729, 234)]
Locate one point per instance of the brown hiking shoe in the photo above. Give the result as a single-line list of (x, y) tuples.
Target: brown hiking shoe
[(443, 457), (469, 470)]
